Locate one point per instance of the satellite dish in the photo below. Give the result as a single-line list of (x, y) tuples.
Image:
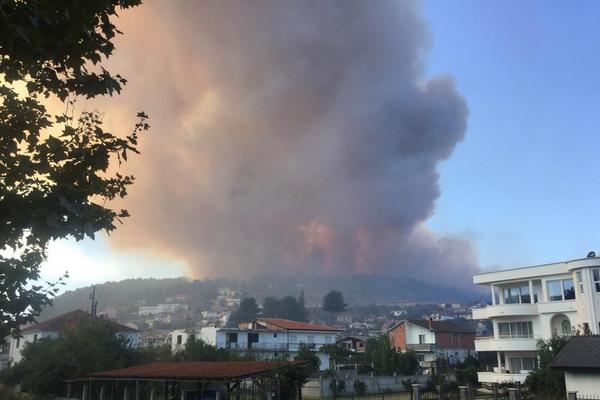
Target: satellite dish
[(591, 254)]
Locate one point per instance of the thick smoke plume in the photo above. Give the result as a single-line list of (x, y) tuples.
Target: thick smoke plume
[(288, 137)]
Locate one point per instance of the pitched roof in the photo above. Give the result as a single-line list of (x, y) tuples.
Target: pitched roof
[(290, 325), (580, 352), (72, 319), (217, 370), (436, 326)]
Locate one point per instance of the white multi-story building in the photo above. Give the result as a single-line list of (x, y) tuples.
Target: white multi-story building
[(266, 338), (535, 303)]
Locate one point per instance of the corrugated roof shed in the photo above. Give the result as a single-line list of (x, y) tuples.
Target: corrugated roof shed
[(196, 370), (580, 352)]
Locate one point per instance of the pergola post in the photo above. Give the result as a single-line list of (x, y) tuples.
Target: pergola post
[(125, 392), (152, 394), (101, 391), (68, 390), (137, 389), (84, 394)]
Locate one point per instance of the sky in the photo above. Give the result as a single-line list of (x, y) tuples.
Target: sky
[(515, 186)]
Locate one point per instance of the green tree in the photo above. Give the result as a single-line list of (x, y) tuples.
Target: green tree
[(271, 307), (336, 353), (247, 312), (288, 307), (55, 179), (73, 354), (333, 302), (198, 350), (387, 361), (305, 353), (546, 382)]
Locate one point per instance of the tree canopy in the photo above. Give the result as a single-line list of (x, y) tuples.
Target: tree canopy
[(287, 307), (247, 312), (74, 354), (333, 302), (55, 179), (547, 382)]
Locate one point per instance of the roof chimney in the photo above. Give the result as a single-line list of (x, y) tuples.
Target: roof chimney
[(430, 323)]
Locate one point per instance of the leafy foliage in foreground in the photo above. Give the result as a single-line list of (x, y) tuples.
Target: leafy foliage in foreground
[(546, 382), (55, 178)]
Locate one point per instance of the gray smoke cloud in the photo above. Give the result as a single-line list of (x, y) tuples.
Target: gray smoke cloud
[(288, 136)]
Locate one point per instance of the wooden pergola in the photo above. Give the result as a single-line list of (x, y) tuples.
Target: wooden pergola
[(198, 380)]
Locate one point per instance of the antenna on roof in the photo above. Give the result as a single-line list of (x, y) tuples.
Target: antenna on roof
[(93, 304), (591, 254)]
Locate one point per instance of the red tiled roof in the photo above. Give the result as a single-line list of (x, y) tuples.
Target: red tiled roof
[(72, 319), (216, 370), (436, 326), (290, 325)]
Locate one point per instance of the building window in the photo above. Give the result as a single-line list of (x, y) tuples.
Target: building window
[(310, 339), (421, 339), (522, 364), (421, 357), (179, 339), (596, 274), (518, 294), (274, 335), (293, 339), (18, 342), (565, 326), (35, 338), (580, 281), (561, 289), (512, 330)]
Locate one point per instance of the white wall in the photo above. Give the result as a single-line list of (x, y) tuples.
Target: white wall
[(413, 331), (587, 383), (14, 354)]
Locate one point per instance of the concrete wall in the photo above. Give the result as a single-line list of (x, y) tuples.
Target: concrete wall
[(374, 384), (585, 384)]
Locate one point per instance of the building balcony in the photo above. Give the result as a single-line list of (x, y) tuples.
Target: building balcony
[(505, 310), (506, 344), (508, 310), (497, 377), (421, 347), (268, 347)]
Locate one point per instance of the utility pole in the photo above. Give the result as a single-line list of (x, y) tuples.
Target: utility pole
[(93, 304)]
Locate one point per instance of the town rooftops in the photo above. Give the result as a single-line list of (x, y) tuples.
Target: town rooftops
[(72, 319), (533, 271), (196, 370), (289, 325), (436, 326), (580, 352)]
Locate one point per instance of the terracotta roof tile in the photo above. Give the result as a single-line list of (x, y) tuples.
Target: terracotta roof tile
[(217, 370), (69, 320), (287, 324)]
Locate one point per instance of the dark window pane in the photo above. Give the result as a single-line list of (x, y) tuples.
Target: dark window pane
[(569, 289)]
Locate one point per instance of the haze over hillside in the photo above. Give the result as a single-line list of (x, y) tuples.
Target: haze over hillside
[(358, 289)]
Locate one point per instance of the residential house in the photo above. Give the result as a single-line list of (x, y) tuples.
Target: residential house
[(356, 344), (53, 327), (162, 309), (433, 341), (580, 361), (532, 303), (266, 338)]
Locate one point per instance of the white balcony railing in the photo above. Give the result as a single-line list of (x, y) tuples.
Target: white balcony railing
[(510, 343)]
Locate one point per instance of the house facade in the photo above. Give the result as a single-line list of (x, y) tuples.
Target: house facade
[(533, 303), (433, 341), (355, 344), (266, 338), (53, 327)]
